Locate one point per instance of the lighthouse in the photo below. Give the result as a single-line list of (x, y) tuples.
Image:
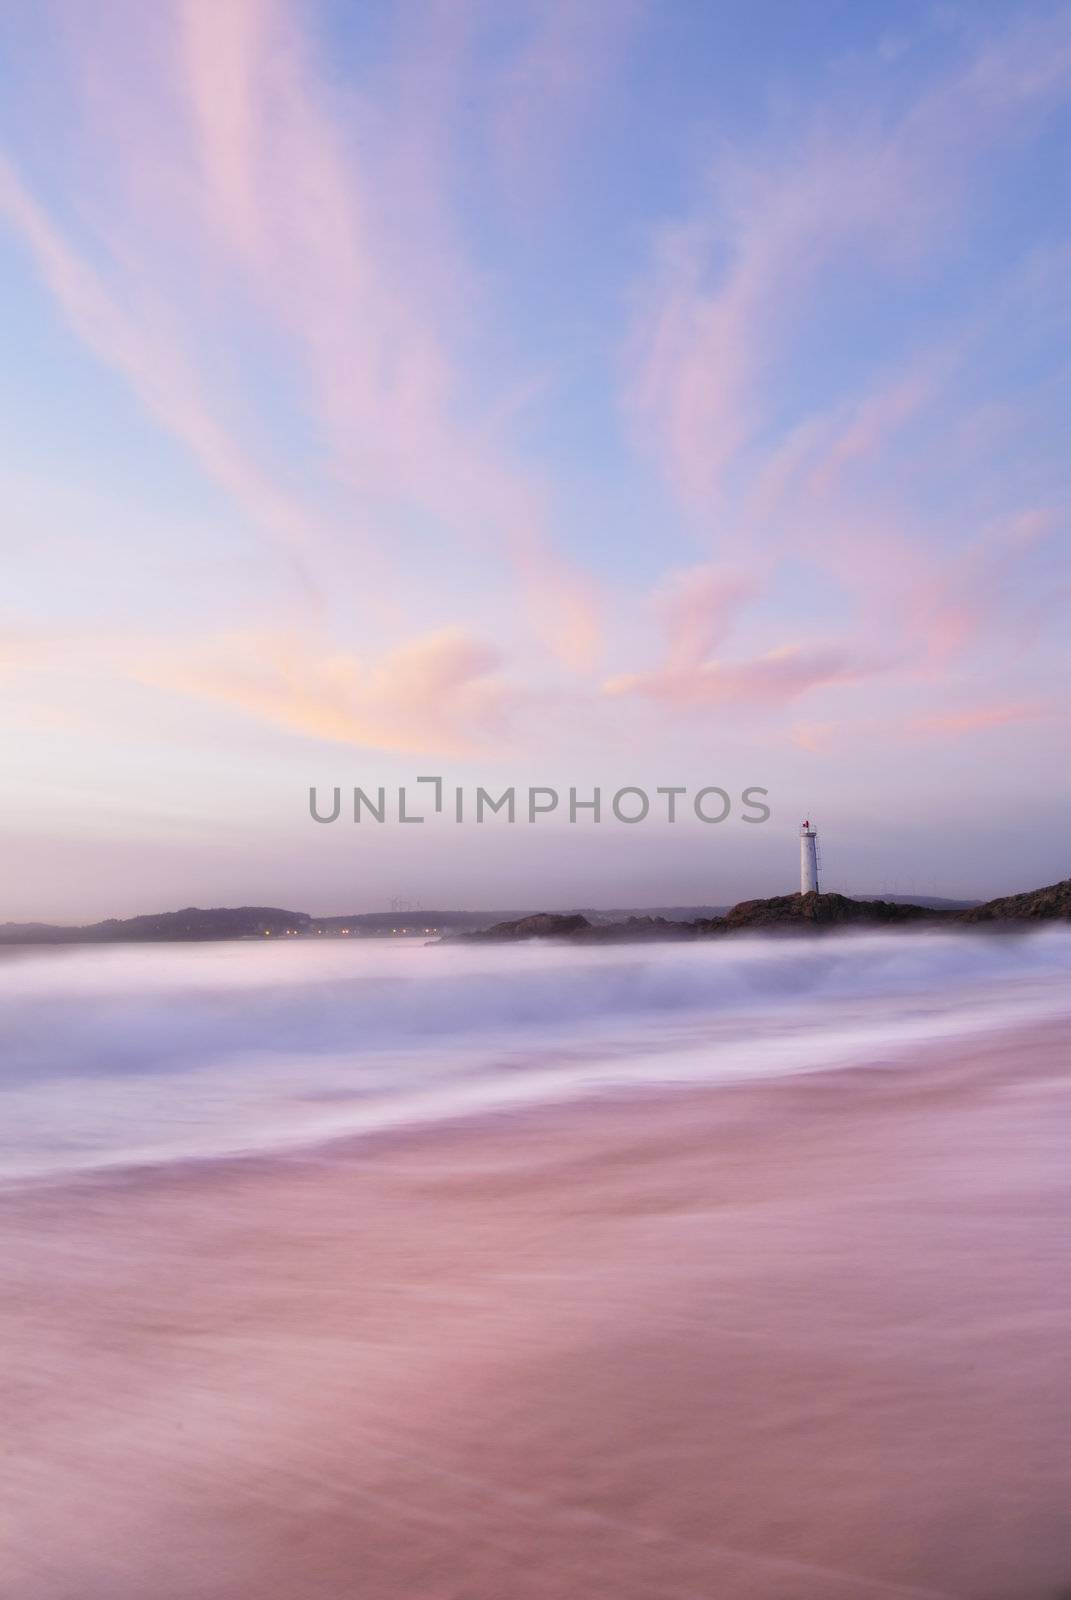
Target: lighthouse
[(808, 860)]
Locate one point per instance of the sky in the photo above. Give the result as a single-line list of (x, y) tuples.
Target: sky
[(532, 392)]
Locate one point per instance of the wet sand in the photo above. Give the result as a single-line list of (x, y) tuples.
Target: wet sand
[(796, 1340)]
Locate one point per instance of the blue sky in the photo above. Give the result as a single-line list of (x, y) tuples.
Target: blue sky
[(593, 392)]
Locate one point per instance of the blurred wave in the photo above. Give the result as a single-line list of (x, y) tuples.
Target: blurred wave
[(145, 1053)]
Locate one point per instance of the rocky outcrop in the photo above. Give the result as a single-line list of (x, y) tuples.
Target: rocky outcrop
[(1051, 904), (788, 913), (543, 925), (792, 914), (638, 930), (807, 912)]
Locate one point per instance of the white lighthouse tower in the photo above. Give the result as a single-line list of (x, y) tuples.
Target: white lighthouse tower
[(808, 860)]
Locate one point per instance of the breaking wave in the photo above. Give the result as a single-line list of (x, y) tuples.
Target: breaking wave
[(148, 1053)]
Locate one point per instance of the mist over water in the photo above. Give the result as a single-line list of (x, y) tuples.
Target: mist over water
[(154, 1053)]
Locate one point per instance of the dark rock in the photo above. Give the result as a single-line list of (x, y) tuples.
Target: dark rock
[(543, 925), (806, 912), (646, 930), (1049, 904)]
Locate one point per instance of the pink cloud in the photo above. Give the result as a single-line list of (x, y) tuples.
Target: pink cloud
[(974, 719), (239, 190), (697, 608), (439, 694), (926, 727), (774, 679), (219, 44), (547, 90), (730, 282), (818, 737), (962, 599), (923, 596), (350, 241), (867, 426), (150, 361)]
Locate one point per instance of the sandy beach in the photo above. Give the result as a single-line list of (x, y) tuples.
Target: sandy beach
[(798, 1339)]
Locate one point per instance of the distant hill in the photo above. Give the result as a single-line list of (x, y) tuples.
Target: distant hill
[(35, 933), (244, 922), (241, 922), (390, 921), (192, 923)]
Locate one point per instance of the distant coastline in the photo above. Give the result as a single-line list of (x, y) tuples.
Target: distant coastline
[(794, 913)]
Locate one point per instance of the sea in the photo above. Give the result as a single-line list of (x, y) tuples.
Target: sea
[(127, 1055)]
